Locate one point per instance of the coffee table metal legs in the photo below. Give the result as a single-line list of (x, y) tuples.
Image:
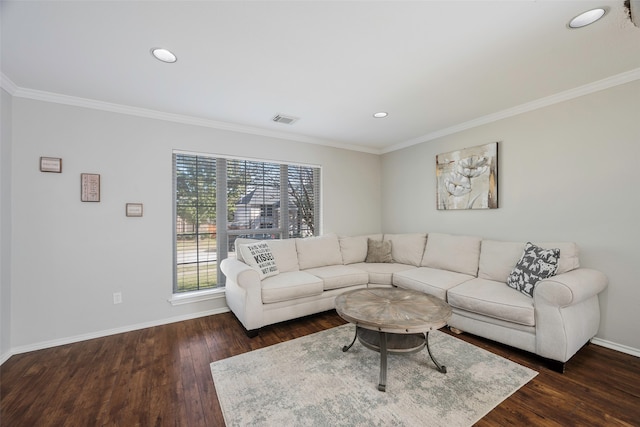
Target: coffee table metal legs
[(382, 346), (440, 367), (347, 347), (382, 386)]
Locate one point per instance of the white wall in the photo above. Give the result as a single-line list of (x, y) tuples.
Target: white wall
[(69, 257), (5, 225), (568, 172)]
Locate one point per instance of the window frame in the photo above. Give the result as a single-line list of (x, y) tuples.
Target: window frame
[(222, 230)]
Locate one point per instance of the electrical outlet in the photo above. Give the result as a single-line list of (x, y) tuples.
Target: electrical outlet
[(117, 297)]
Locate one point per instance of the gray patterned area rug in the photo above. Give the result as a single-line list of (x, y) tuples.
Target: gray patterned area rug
[(309, 381)]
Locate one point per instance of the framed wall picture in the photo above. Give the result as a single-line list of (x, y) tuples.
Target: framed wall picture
[(468, 178), (90, 187), (50, 164), (134, 209)]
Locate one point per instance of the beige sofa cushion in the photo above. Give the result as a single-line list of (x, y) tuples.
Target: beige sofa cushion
[(285, 253), (407, 248), (569, 255), (291, 285), (498, 258), (451, 252), (381, 273), (354, 249), (493, 299), (339, 276), (318, 251), (430, 280)]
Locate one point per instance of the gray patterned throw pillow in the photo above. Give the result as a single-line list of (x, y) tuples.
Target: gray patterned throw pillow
[(535, 264)]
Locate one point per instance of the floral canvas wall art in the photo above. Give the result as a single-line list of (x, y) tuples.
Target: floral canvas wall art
[(468, 178)]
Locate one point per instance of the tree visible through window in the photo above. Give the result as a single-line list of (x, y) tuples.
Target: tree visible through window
[(195, 202), (218, 200), (302, 192)]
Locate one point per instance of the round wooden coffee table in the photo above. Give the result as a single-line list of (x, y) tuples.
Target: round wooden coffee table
[(393, 320)]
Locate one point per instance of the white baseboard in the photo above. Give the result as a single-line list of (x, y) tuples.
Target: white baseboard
[(615, 346), (100, 334), (78, 338)]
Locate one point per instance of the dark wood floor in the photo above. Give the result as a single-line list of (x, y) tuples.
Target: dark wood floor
[(160, 377)]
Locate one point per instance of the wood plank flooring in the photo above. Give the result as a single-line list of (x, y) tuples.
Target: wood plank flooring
[(160, 377)]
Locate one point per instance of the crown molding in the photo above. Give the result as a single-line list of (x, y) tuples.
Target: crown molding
[(7, 84), (39, 95), (567, 95), (606, 83)]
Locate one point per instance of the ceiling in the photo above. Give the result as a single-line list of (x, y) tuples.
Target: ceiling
[(432, 65)]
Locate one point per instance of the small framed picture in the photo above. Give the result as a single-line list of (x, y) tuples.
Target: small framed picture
[(89, 187), (50, 164), (134, 209)]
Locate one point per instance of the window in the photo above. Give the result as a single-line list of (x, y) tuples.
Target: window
[(218, 200), (195, 219)]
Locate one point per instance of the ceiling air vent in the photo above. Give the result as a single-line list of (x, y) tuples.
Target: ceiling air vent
[(287, 120)]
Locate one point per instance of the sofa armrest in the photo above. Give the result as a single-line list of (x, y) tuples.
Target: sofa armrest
[(570, 288), (243, 292), (567, 312), (240, 273)]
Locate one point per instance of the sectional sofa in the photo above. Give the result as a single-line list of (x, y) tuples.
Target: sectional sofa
[(277, 280)]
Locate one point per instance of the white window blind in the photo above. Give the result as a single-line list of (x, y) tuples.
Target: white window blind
[(195, 219), (218, 200)]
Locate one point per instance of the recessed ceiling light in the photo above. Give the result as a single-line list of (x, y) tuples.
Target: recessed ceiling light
[(163, 55), (380, 115), (586, 18)]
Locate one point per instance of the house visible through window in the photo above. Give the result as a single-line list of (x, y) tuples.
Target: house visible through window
[(218, 200)]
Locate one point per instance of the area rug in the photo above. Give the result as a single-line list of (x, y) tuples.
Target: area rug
[(309, 381)]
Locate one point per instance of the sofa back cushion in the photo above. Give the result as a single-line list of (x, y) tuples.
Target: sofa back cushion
[(354, 249), (460, 254), (318, 251), (285, 253), (407, 248), (569, 255), (498, 258)]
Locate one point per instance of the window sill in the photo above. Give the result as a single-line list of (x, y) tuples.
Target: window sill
[(197, 296)]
